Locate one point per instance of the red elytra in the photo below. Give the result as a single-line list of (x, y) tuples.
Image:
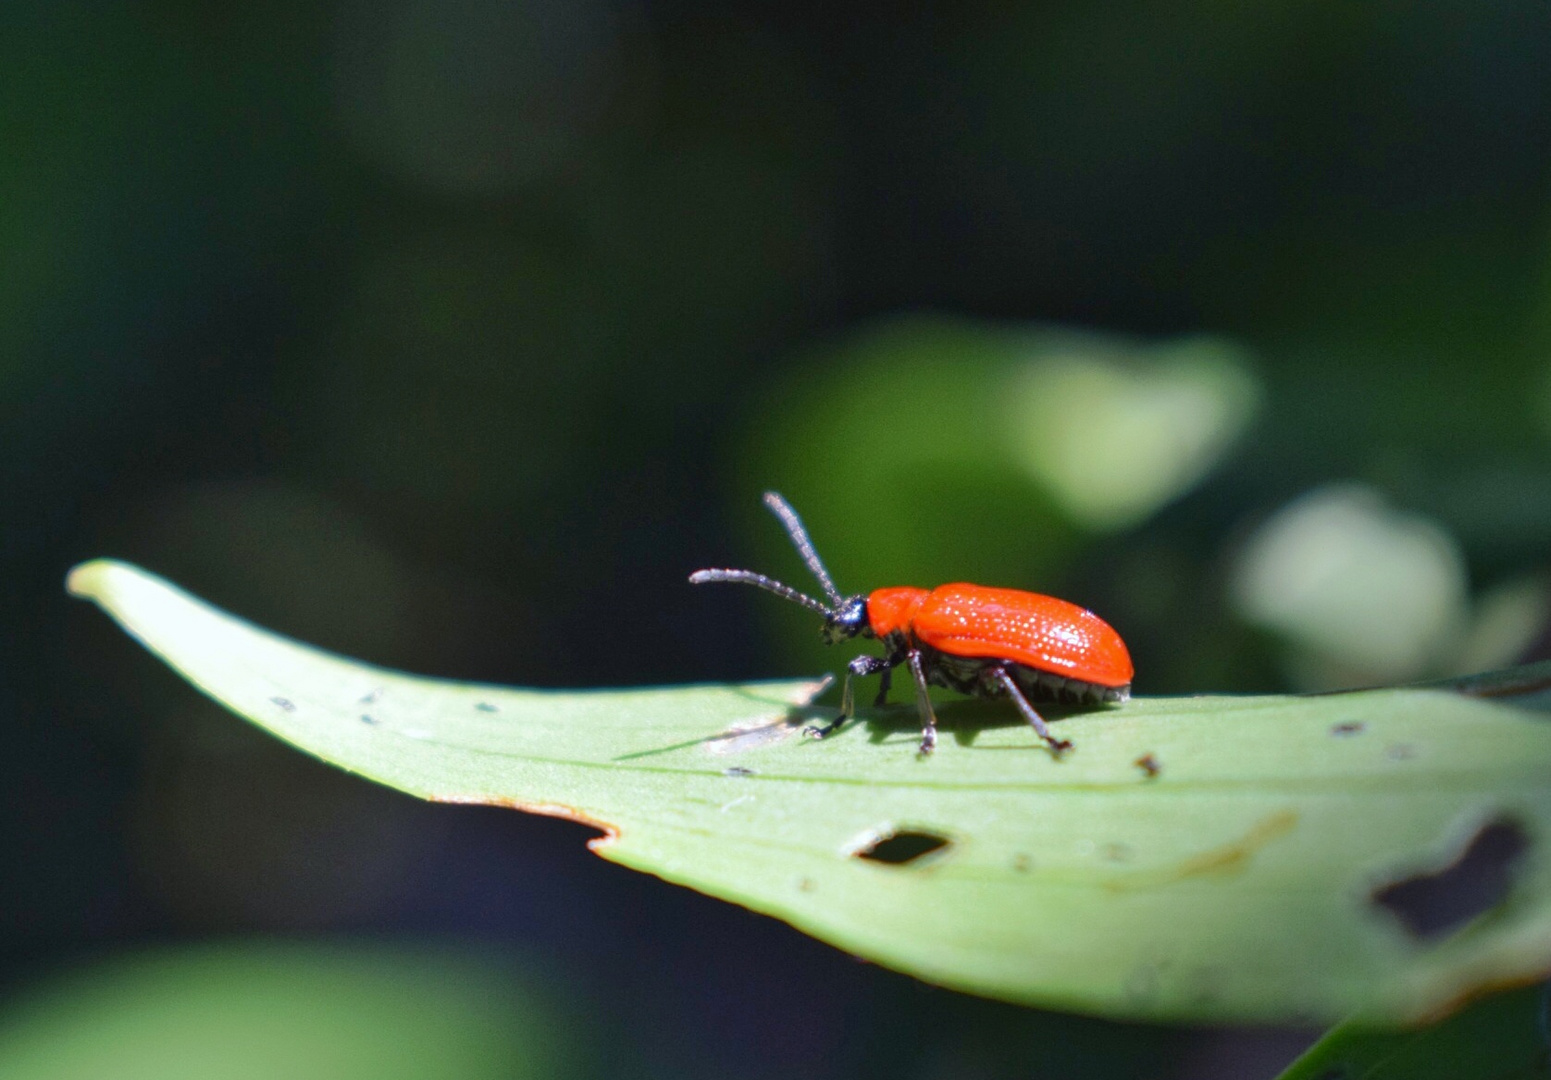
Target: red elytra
[(981, 641), (1038, 631)]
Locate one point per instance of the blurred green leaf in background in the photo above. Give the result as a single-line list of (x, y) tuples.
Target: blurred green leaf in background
[(263, 1010), (1504, 1037)]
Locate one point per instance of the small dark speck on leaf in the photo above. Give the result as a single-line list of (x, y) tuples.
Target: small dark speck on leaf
[(1141, 984), (1433, 903), (285, 703), (1021, 863), (485, 706), (367, 718), (1205, 984), (1116, 852), (900, 848), (1400, 751), (737, 770), (1149, 765), (805, 885), (372, 698), (1347, 727)]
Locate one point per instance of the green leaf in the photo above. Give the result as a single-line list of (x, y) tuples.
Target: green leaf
[(260, 1010), (1504, 1037), (1241, 882)]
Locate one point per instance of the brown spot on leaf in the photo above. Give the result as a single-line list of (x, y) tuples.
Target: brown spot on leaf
[(1232, 856), (1116, 852), (1498, 686), (1226, 859), (558, 810), (1480, 991)]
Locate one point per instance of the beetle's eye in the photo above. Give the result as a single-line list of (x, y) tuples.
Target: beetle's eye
[(852, 616)]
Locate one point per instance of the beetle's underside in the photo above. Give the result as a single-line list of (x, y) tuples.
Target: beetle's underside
[(965, 674)]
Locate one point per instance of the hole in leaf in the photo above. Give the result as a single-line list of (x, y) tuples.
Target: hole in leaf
[(1432, 904), (900, 848)]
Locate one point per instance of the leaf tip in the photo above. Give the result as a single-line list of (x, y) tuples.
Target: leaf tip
[(87, 579)]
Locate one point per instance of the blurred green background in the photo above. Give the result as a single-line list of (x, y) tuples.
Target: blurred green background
[(454, 335)]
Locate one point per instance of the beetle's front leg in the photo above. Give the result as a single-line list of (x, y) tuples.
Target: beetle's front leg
[(923, 705), (861, 667)]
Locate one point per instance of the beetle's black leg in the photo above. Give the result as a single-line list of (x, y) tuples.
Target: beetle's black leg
[(861, 666), (1035, 720), (923, 704), (883, 688)]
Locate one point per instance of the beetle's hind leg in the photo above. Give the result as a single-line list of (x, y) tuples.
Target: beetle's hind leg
[(1037, 722), (860, 667)]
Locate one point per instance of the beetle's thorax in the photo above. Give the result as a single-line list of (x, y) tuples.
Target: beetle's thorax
[(891, 611)]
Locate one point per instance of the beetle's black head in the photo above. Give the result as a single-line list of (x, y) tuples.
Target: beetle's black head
[(847, 619)]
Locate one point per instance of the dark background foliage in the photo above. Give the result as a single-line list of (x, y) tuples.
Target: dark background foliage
[(453, 335)]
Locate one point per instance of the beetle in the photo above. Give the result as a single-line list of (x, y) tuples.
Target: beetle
[(985, 642)]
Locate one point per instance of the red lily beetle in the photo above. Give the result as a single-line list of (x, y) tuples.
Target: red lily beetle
[(988, 643)]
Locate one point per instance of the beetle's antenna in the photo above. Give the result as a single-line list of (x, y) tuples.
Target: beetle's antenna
[(748, 577), (783, 510)]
